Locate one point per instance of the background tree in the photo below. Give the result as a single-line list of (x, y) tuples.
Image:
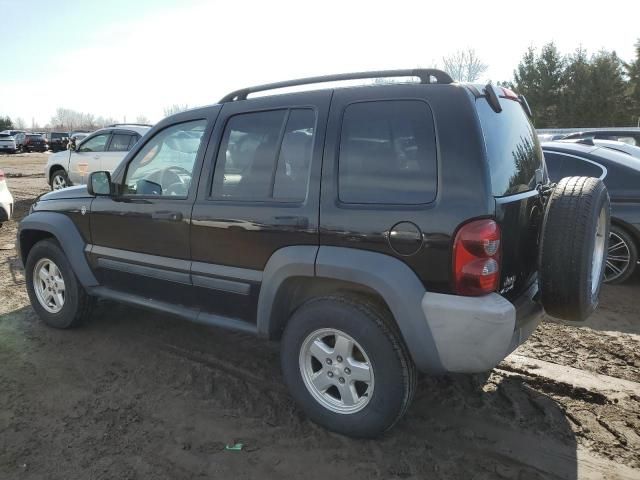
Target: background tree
[(578, 90), (464, 65), (175, 108), (143, 119), (6, 123), (20, 124), (633, 90)]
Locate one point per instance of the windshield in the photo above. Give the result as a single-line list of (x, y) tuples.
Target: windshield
[(513, 148)]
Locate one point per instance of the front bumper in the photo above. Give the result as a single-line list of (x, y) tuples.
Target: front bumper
[(474, 334)]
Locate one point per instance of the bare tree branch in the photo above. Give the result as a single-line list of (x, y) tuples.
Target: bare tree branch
[(464, 65)]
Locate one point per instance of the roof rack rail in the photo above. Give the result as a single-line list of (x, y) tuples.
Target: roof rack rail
[(424, 74), (128, 124)]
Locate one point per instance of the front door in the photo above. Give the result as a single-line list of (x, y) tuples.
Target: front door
[(87, 157), (259, 192), (140, 238)]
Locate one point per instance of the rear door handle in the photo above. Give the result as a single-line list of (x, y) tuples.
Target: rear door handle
[(171, 216)]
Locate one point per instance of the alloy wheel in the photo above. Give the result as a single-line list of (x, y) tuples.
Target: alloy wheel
[(49, 286), (618, 258), (336, 371), (58, 182)]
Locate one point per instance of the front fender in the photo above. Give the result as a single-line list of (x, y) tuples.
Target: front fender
[(62, 228)]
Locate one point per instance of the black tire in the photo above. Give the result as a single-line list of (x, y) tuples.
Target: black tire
[(567, 262), (629, 247), (61, 173), (77, 303), (372, 327)]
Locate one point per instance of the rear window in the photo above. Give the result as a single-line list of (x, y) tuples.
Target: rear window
[(513, 149), (59, 135), (4, 135), (387, 153)]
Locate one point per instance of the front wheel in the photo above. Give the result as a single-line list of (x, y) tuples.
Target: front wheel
[(346, 365), (59, 180), (55, 293)]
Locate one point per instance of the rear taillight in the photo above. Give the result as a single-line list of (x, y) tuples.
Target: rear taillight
[(2, 177), (476, 258)]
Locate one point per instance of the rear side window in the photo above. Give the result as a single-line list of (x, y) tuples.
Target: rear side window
[(120, 142), (513, 148), (265, 156), (560, 165), (387, 153)]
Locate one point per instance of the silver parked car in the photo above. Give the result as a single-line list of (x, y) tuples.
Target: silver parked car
[(103, 149)]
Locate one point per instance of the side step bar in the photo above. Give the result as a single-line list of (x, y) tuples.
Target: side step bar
[(186, 313)]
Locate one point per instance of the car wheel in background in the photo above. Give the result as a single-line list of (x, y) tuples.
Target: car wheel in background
[(622, 256), (346, 365), (59, 180), (573, 247)]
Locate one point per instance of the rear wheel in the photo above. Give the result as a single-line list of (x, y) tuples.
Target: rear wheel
[(622, 256), (346, 365)]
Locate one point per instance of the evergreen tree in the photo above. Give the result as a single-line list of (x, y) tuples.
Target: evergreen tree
[(606, 92), (633, 90), (5, 123), (575, 106)]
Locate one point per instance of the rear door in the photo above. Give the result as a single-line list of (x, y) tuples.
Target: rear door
[(380, 177), (258, 193), (516, 164)]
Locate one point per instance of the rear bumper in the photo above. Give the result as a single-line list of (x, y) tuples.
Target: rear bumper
[(474, 334)]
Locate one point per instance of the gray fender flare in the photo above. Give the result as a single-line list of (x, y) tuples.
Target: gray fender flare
[(391, 278), (69, 238)]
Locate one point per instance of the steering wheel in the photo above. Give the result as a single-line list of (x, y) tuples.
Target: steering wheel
[(176, 185)]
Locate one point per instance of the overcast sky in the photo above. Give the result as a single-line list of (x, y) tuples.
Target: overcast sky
[(135, 57)]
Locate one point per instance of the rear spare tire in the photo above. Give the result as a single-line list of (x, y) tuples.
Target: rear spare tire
[(573, 247)]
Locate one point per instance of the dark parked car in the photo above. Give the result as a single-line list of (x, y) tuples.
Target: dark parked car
[(621, 173), (57, 141), (351, 224), (630, 135), (32, 142)]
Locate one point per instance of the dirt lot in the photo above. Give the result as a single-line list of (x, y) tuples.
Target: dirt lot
[(136, 395)]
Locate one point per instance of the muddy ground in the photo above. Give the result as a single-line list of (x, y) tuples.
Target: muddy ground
[(136, 395)]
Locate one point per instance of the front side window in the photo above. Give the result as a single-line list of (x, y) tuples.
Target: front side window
[(95, 144), (265, 156), (120, 142), (387, 153), (164, 166)]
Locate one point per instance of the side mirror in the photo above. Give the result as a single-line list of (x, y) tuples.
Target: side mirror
[(71, 145), (99, 184)]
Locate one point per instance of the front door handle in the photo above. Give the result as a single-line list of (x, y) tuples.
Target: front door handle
[(171, 216)]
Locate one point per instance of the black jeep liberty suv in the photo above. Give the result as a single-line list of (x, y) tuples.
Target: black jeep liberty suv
[(374, 231)]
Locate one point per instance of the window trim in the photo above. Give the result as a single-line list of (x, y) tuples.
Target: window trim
[(204, 140), (271, 201), (385, 205)]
